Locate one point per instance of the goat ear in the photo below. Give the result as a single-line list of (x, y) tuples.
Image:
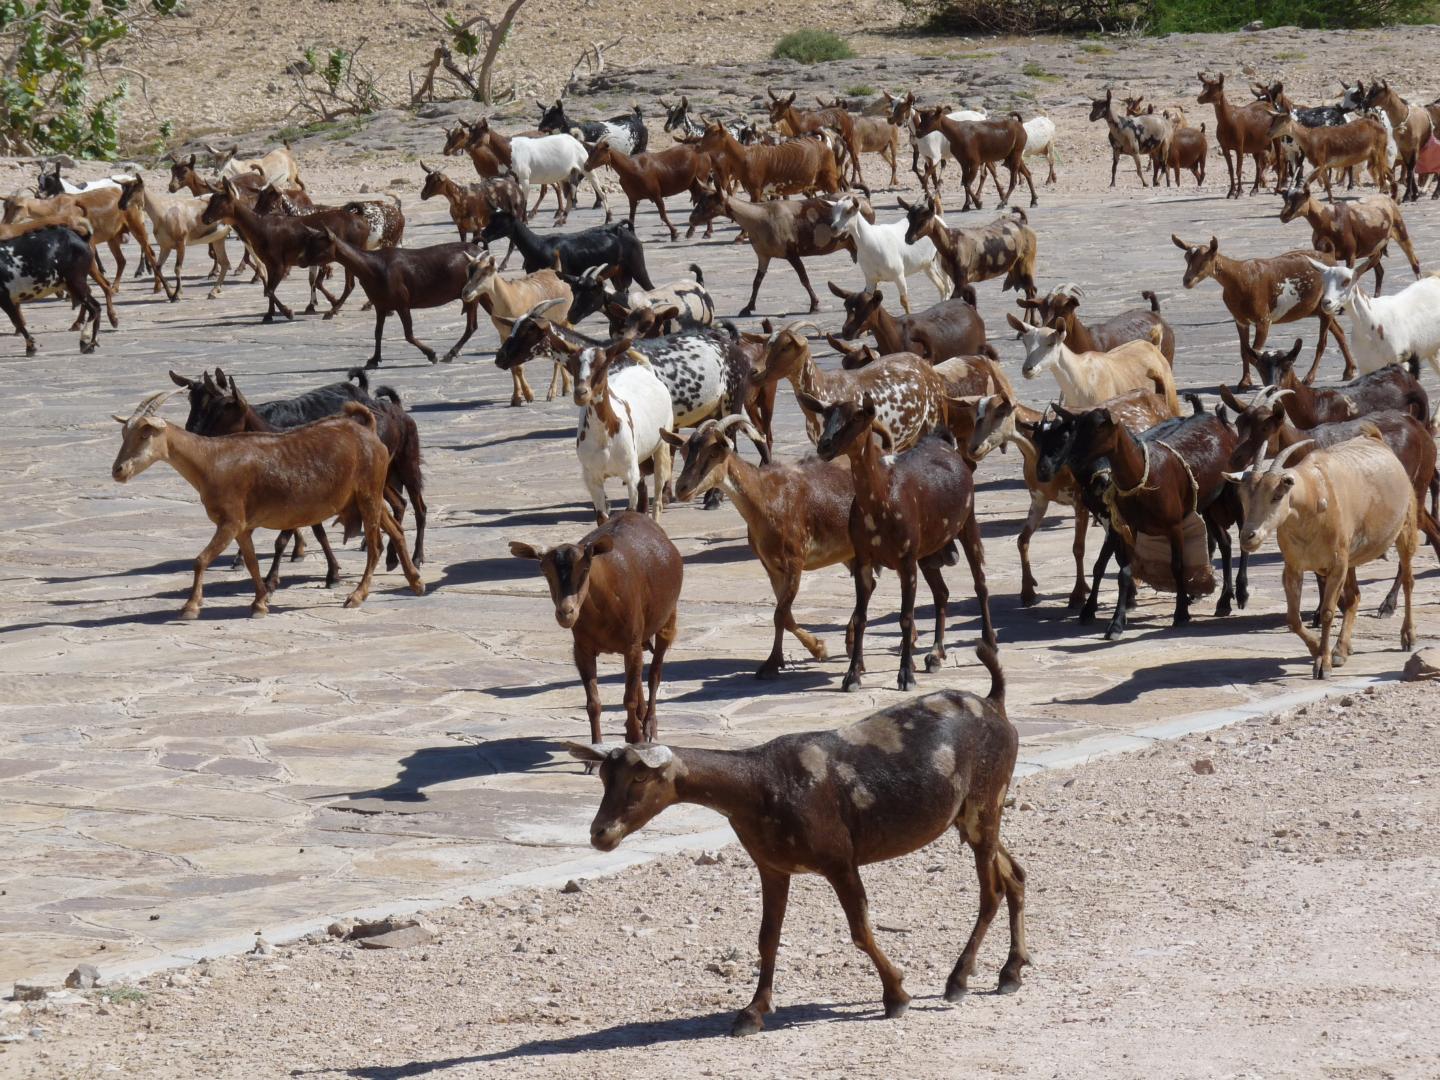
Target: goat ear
[(180, 380), (841, 293), (1179, 243), (767, 326), (1234, 477), (584, 752), (1295, 350), (671, 439), (809, 402), (669, 311), (191, 162), (600, 545), (1214, 245), (1015, 324), (526, 551)]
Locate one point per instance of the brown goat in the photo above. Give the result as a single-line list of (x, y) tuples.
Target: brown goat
[(1239, 131), (1411, 124), (283, 481), (830, 802), (1259, 292), (911, 508), (978, 143), (797, 515), (795, 166), (1336, 148), (471, 204), (1006, 246), (616, 590), (653, 176), (1389, 387), (949, 328), (1060, 310), (789, 120), (1352, 231)]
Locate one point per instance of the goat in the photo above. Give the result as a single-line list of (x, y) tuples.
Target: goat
[(604, 245), (1060, 310), (399, 280), (487, 166), (999, 420), (678, 118), (797, 515), (1260, 292), (506, 300), (49, 184), (691, 302), (281, 481), (911, 508), (626, 133), (107, 221), (927, 152), (44, 262), (1339, 508), (1239, 131), (793, 167), (1087, 378), (789, 229), (1006, 246), (1147, 133), (907, 391), (1411, 124), (279, 242), (278, 166), (616, 591), (176, 223), (217, 407), (950, 328), (978, 143), (1159, 479), (789, 120), (1335, 148), (624, 409), (472, 204), (1264, 428), (1188, 147), (1351, 231), (548, 159), (1387, 329), (883, 252), (653, 177), (829, 802), (1388, 387)]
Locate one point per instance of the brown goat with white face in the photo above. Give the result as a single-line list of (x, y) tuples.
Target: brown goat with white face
[(283, 481), (830, 802), (616, 590)]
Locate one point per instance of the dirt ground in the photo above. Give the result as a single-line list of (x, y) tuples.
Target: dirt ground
[(1274, 918)]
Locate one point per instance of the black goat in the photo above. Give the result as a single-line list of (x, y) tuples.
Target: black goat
[(602, 246), (44, 262), (626, 132)]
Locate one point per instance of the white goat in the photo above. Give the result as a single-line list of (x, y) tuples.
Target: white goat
[(552, 159), (1385, 329), (1039, 142), (1088, 378), (882, 252), (279, 165), (624, 411)]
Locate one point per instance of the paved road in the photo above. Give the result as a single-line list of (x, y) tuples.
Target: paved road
[(167, 784)]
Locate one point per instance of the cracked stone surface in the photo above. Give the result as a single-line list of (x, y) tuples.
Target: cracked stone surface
[(168, 784)]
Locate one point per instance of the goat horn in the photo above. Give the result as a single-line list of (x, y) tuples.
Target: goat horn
[(796, 327), (151, 405), (538, 311), (729, 422), (1285, 455)]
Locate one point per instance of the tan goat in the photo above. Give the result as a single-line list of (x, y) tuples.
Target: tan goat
[(1088, 378), (505, 300)]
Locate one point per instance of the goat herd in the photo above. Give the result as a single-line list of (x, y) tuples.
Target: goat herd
[(1340, 475)]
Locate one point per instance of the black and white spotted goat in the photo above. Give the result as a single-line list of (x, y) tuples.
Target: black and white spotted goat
[(626, 132), (593, 292), (688, 128), (45, 262)]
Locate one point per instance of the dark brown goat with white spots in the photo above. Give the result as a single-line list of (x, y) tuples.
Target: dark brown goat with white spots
[(910, 510), (1006, 246), (616, 590), (830, 802)]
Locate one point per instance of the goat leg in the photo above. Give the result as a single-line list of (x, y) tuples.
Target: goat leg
[(261, 604), (12, 309), (380, 317), (332, 565), (774, 896), (1220, 536), (975, 556), (851, 891), (634, 694), (472, 318), (1102, 562), (336, 305), (864, 576), (224, 534), (908, 575), (984, 840), (391, 528), (664, 637), (1077, 548), (798, 265), (935, 659), (282, 539), (585, 665), (1177, 570), (1124, 580)]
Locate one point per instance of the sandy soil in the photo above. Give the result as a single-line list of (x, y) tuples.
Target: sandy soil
[(1275, 918)]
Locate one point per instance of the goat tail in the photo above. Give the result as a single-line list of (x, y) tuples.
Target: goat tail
[(360, 414), (390, 394), (359, 378), (1154, 302), (1020, 213), (699, 274), (1412, 365), (1197, 405), (988, 350), (990, 657), (1019, 119), (396, 198)]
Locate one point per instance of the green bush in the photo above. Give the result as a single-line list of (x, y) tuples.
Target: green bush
[(811, 47), (1037, 16), (1198, 16)]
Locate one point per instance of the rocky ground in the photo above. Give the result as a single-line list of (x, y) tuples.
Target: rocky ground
[(1274, 917)]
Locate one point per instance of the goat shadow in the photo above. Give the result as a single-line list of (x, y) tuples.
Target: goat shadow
[(431, 766)]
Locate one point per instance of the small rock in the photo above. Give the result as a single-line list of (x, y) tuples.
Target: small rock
[(400, 181), (1026, 806), (366, 189), (261, 947), (316, 937), (1203, 767), (1254, 27), (1069, 783), (1422, 665), (84, 977), (29, 992), (709, 858), (1347, 701), (340, 928), (178, 980), (571, 886), (404, 938), (299, 67)]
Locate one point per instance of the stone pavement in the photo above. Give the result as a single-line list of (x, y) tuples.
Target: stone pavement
[(168, 784)]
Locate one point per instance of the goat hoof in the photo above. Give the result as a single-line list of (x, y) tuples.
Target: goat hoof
[(259, 611), (894, 1010), (331, 580), (1222, 609), (1114, 633), (768, 672), (1077, 599), (267, 320), (1009, 984), (354, 600), (906, 680), (955, 992), (1337, 659), (746, 1023), (1087, 616), (372, 363), (1182, 619), (747, 311), (310, 309), (88, 348), (188, 613), (417, 587), (392, 560), (1386, 609), (934, 662), (851, 683)]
